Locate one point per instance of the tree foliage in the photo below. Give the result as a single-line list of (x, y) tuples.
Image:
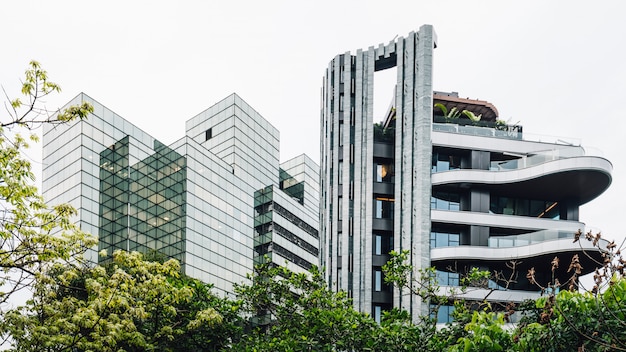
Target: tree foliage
[(130, 304), (33, 235), (569, 319), (297, 312), (561, 320), (30, 112), (136, 303)]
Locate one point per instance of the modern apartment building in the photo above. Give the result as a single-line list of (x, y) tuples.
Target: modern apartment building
[(441, 177), (216, 199)]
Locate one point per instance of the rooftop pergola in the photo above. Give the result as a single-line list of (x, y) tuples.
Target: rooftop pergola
[(478, 107)]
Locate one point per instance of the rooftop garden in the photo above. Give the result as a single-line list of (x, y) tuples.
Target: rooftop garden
[(465, 117), (382, 134)]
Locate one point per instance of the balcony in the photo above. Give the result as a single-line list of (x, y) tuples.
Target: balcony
[(494, 130), (476, 128), (578, 178), (386, 188), (537, 158), (384, 149), (382, 224), (525, 223), (528, 238), (536, 249)]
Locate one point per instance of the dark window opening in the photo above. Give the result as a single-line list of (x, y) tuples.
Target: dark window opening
[(208, 134)]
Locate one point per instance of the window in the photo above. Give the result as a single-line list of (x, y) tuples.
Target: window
[(340, 172), (383, 208), (340, 208), (351, 153), (339, 245), (378, 280), (445, 162), (524, 207), (377, 313), (341, 134), (383, 172), (445, 201), (444, 314), (208, 134), (445, 278), (383, 244), (444, 239)]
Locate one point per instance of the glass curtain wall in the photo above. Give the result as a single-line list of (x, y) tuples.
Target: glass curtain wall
[(142, 206)]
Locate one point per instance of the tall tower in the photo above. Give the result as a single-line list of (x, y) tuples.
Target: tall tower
[(442, 177), (361, 218)]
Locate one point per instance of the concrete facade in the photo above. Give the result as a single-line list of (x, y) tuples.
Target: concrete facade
[(457, 193)]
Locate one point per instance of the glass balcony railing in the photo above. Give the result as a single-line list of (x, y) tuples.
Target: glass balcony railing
[(529, 238), (492, 129), (537, 158), (476, 128), (476, 131)]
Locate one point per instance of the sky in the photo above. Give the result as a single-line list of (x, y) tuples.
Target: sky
[(557, 67)]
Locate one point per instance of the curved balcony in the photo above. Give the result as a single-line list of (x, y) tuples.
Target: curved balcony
[(479, 294), (502, 221), (499, 255), (488, 253), (528, 238), (580, 178)]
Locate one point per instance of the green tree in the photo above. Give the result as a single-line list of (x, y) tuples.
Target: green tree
[(130, 304), (476, 327), (33, 235), (566, 319), (204, 337), (297, 312), (424, 283), (29, 112), (484, 332), (397, 332)]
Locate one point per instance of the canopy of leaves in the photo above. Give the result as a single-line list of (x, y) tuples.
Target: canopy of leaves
[(297, 312), (30, 112), (134, 304), (33, 235), (131, 304)]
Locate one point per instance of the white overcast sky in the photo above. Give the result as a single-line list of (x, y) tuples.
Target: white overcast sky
[(557, 67)]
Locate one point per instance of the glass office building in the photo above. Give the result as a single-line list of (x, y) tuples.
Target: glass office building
[(196, 200), (457, 193)]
